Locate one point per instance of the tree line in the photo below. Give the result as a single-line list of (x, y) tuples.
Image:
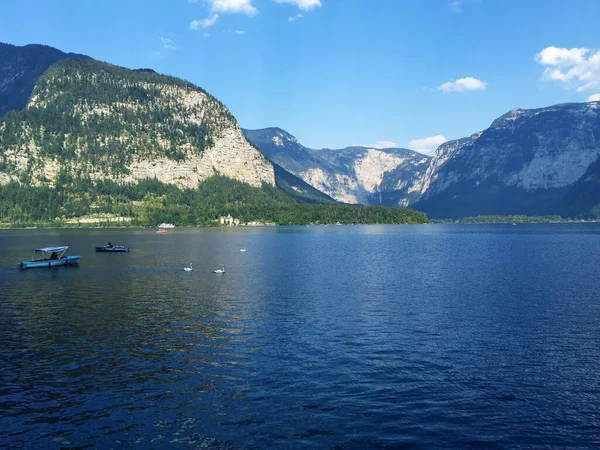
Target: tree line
[(149, 202)]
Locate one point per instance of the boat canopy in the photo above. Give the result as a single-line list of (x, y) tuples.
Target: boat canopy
[(52, 249)]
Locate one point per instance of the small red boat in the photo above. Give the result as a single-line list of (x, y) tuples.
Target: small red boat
[(161, 232)]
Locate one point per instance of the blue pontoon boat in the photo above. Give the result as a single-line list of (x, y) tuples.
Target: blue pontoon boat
[(112, 248), (50, 257)]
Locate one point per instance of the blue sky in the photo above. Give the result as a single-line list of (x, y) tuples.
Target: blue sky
[(334, 73)]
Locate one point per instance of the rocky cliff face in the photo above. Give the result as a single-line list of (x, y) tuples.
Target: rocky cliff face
[(20, 67), (391, 177), (87, 118), (583, 199), (523, 164)]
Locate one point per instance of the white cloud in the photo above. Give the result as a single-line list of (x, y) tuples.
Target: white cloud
[(462, 85), (294, 18), (204, 23), (239, 32), (304, 5), (232, 6), (594, 98), (555, 56), (576, 68), (427, 145), (168, 43)]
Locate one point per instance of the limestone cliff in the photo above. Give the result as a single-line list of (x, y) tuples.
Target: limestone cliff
[(390, 177), (524, 163), (87, 118)]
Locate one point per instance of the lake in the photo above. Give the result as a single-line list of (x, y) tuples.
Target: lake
[(415, 336)]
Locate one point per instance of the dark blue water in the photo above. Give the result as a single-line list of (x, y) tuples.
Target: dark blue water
[(435, 336)]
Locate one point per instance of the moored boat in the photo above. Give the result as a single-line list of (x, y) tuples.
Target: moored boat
[(112, 248), (50, 257), (161, 232)]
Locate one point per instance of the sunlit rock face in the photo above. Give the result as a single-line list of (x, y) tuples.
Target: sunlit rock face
[(524, 163), (391, 177), (92, 119)]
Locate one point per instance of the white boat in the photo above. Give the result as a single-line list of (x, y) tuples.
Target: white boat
[(50, 257), (166, 225)]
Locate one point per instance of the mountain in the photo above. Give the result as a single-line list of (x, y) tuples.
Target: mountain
[(89, 118), (526, 162), (20, 67), (363, 175), (99, 144), (298, 189), (583, 199), (389, 176)]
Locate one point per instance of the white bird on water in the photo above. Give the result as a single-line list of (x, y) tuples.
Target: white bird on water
[(221, 270), (243, 249), (188, 269)]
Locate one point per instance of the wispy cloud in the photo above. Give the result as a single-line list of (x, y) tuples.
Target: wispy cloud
[(576, 68), (427, 145), (204, 23), (218, 7), (594, 98), (304, 5), (232, 7), (462, 85), (168, 43)]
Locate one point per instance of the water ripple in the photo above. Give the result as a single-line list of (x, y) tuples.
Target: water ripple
[(345, 337)]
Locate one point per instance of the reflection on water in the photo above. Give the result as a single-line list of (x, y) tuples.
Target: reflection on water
[(363, 337)]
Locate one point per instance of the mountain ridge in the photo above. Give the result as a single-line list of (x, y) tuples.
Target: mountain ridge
[(524, 163), (20, 67), (108, 121), (350, 175), (85, 117), (101, 142), (528, 161)]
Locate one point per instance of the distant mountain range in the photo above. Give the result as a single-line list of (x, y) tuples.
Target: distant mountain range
[(68, 117), (540, 161), (389, 177)]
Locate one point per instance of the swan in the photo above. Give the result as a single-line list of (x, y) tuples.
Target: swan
[(188, 269), (243, 249), (221, 270)]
